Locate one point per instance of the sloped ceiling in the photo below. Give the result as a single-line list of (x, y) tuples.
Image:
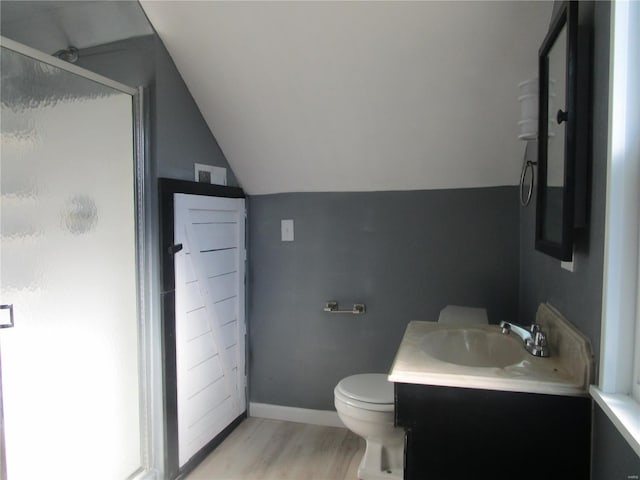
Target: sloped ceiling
[(358, 96), (50, 25)]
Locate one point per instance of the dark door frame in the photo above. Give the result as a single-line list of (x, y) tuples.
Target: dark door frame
[(167, 188)]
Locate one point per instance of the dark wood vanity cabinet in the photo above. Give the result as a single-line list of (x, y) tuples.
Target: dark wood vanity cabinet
[(463, 433)]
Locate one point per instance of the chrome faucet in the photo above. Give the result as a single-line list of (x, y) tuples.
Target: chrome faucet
[(534, 339)]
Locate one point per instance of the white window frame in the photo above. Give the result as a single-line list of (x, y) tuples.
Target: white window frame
[(618, 390)]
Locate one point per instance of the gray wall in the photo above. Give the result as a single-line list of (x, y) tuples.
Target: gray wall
[(182, 136), (613, 457), (404, 254), (578, 295), (179, 136)]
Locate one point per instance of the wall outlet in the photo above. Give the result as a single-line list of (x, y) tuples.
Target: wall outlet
[(286, 227)]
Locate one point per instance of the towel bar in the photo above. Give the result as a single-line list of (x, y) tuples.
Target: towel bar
[(358, 308)]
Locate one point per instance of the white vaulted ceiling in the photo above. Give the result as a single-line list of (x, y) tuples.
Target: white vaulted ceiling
[(355, 96), (54, 25)]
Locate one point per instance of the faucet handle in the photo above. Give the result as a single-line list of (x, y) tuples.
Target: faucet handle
[(534, 328), (540, 339), (537, 345)]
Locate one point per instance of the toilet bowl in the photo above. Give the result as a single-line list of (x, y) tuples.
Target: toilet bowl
[(365, 405)]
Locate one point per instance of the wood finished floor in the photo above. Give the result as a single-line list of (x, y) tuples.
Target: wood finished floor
[(261, 449)]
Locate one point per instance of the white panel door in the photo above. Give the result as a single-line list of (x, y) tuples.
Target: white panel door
[(210, 324)]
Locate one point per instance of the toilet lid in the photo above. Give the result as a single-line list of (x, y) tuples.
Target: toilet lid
[(367, 387)]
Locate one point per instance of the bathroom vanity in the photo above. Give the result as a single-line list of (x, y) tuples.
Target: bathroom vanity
[(475, 404), (466, 433)]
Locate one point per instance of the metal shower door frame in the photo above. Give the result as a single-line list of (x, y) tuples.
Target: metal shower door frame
[(151, 428)]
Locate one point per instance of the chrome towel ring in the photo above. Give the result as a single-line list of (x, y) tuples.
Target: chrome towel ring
[(525, 199), (526, 165)]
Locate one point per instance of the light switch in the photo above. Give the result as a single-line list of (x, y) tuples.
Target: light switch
[(287, 230)]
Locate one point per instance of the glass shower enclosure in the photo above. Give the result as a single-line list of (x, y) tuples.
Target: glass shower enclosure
[(70, 349)]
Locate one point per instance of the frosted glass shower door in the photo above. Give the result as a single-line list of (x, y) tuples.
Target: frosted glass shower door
[(69, 366)]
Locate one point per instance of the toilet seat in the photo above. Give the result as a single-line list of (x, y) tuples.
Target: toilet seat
[(369, 391)]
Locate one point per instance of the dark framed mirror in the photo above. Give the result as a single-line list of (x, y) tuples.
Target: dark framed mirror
[(560, 159)]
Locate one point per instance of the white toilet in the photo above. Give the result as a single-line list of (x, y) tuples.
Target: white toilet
[(365, 405)]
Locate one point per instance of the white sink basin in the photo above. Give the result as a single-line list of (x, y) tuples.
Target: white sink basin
[(480, 356), (473, 347)]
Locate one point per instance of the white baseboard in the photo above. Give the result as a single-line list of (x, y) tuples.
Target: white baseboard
[(327, 418)]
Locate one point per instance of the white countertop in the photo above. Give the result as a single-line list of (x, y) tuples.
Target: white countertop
[(550, 375)]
